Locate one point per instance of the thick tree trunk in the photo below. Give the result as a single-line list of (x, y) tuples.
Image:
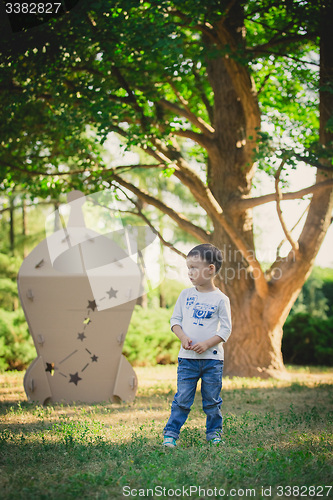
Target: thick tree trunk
[(254, 348)]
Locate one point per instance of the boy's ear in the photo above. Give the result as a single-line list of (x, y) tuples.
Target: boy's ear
[(212, 267)]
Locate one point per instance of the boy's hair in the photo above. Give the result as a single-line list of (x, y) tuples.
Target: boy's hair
[(208, 253)]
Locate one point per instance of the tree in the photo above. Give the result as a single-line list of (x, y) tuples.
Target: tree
[(184, 81)]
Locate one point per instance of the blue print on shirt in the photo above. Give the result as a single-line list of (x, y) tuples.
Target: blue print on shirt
[(190, 301), (202, 311)]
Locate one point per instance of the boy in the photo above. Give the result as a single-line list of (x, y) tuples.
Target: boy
[(202, 321)]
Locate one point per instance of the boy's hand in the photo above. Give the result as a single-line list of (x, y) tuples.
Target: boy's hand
[(200, 347), (186, 343), (185, 340)]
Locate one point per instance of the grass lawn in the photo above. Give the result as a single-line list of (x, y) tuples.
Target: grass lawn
[(278, 442)]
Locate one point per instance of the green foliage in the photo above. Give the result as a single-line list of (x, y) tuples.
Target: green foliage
[(16, 345), (171, 290), (312, 298), (308, 340), (110, 64), (28, 229), (8, 288), (149, 340), (9, 266), (325, 275), (168, 292), (308, 331)]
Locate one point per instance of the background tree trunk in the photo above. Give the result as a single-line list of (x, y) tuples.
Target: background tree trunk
[(254, 348), (24, 227), (11, 224)]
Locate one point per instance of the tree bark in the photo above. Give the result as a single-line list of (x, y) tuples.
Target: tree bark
[(254, 348)]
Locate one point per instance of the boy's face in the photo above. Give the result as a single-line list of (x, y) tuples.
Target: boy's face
[(200, 272)]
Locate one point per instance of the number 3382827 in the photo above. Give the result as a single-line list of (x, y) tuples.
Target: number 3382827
[(32, 8)]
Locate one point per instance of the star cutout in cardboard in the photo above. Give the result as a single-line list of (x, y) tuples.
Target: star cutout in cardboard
[(74, 378), (94, 358), (112, 293), (92, 305), (49, 368), (81, 336)]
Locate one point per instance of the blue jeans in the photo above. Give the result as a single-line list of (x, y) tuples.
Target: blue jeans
[(189, 372)]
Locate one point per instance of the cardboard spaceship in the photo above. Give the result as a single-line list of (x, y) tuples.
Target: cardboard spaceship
[(78, 289)]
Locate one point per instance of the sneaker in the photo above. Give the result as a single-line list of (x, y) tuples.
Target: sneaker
[(169, 441), (216, 441)]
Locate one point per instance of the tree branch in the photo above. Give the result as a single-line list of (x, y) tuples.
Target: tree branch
[(203, 96), (278, 39), (194, 136), (189, 178), (131, 95), (293, 244), (278, 248), (248, 254), (281, 54), (140, 214), (158, 234), (39, 172), (120, 168), (181, 220), (247, 203), (314, 163), (183, 172), (125, 168), (16, 207), (206, 28), (205, 128), (205, 197), (263, 83)]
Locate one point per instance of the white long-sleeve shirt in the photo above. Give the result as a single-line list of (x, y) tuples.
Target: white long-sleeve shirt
[(201, 316)]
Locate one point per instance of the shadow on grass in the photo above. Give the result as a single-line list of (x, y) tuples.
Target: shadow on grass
[(74, 459), (237, 400), (276, 435)]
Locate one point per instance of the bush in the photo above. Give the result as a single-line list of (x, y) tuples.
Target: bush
[(308, 340), (16, 345), (149, 340), (316, 296), (169, 290)]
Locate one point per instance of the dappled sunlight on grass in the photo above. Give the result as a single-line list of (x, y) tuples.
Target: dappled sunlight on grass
[(275, 432)]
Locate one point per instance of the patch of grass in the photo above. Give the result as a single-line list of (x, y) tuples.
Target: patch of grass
[(276, 433)]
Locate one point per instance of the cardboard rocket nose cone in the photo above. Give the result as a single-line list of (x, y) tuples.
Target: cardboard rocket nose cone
[(78, 290)]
